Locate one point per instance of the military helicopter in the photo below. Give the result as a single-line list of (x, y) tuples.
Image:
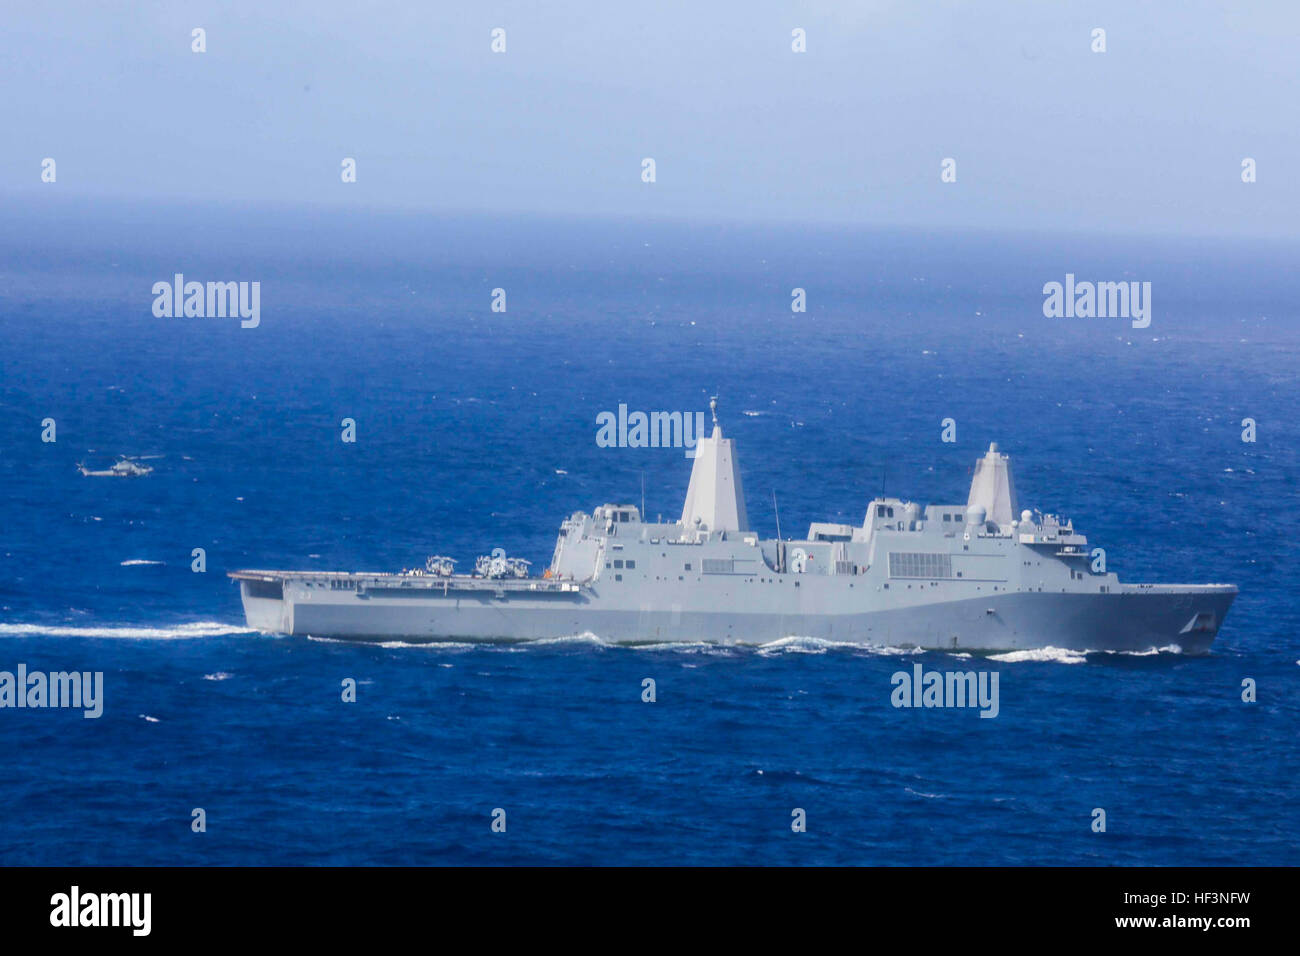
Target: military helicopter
[(126, 466), (497, 565)]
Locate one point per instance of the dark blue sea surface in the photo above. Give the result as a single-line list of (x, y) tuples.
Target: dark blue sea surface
[(477, 430)]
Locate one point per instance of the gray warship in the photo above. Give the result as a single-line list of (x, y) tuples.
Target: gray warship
[(983, 576)]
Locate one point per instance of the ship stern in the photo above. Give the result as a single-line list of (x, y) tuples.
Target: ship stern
[(265, 607)]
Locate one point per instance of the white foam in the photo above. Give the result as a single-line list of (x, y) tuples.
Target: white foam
[(1149, 652), (152, 720), (430, 645), (819, 645), (1052, 655), (586, 637), (127, 631), (799, 645), (219, 675), (134, 562), (882, 650), (681, 647), (928, 796)]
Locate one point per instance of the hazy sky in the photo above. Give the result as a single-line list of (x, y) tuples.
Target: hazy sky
[(1146, 137)]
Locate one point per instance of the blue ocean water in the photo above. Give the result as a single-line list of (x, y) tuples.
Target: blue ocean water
[(476, 430)]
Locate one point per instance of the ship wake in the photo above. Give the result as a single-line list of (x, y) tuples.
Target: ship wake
[(134, 632)]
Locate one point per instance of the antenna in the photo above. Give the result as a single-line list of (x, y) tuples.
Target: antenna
[(713, 407), (643, 496), (778, 515)]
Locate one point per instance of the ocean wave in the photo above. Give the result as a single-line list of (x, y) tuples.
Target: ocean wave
[(508, 646), (785, 645), (586, 637), (126, 631), (682, 647), (430, 645), (135, 562), (921, 793), (1060, 655), (1148, 652), (1051, 655), (219, 675), (796, 644), (787, 776), (793, 644), (800, 645), (886, 650)]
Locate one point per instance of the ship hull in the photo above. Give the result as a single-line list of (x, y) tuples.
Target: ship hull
[(1134, 618)]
